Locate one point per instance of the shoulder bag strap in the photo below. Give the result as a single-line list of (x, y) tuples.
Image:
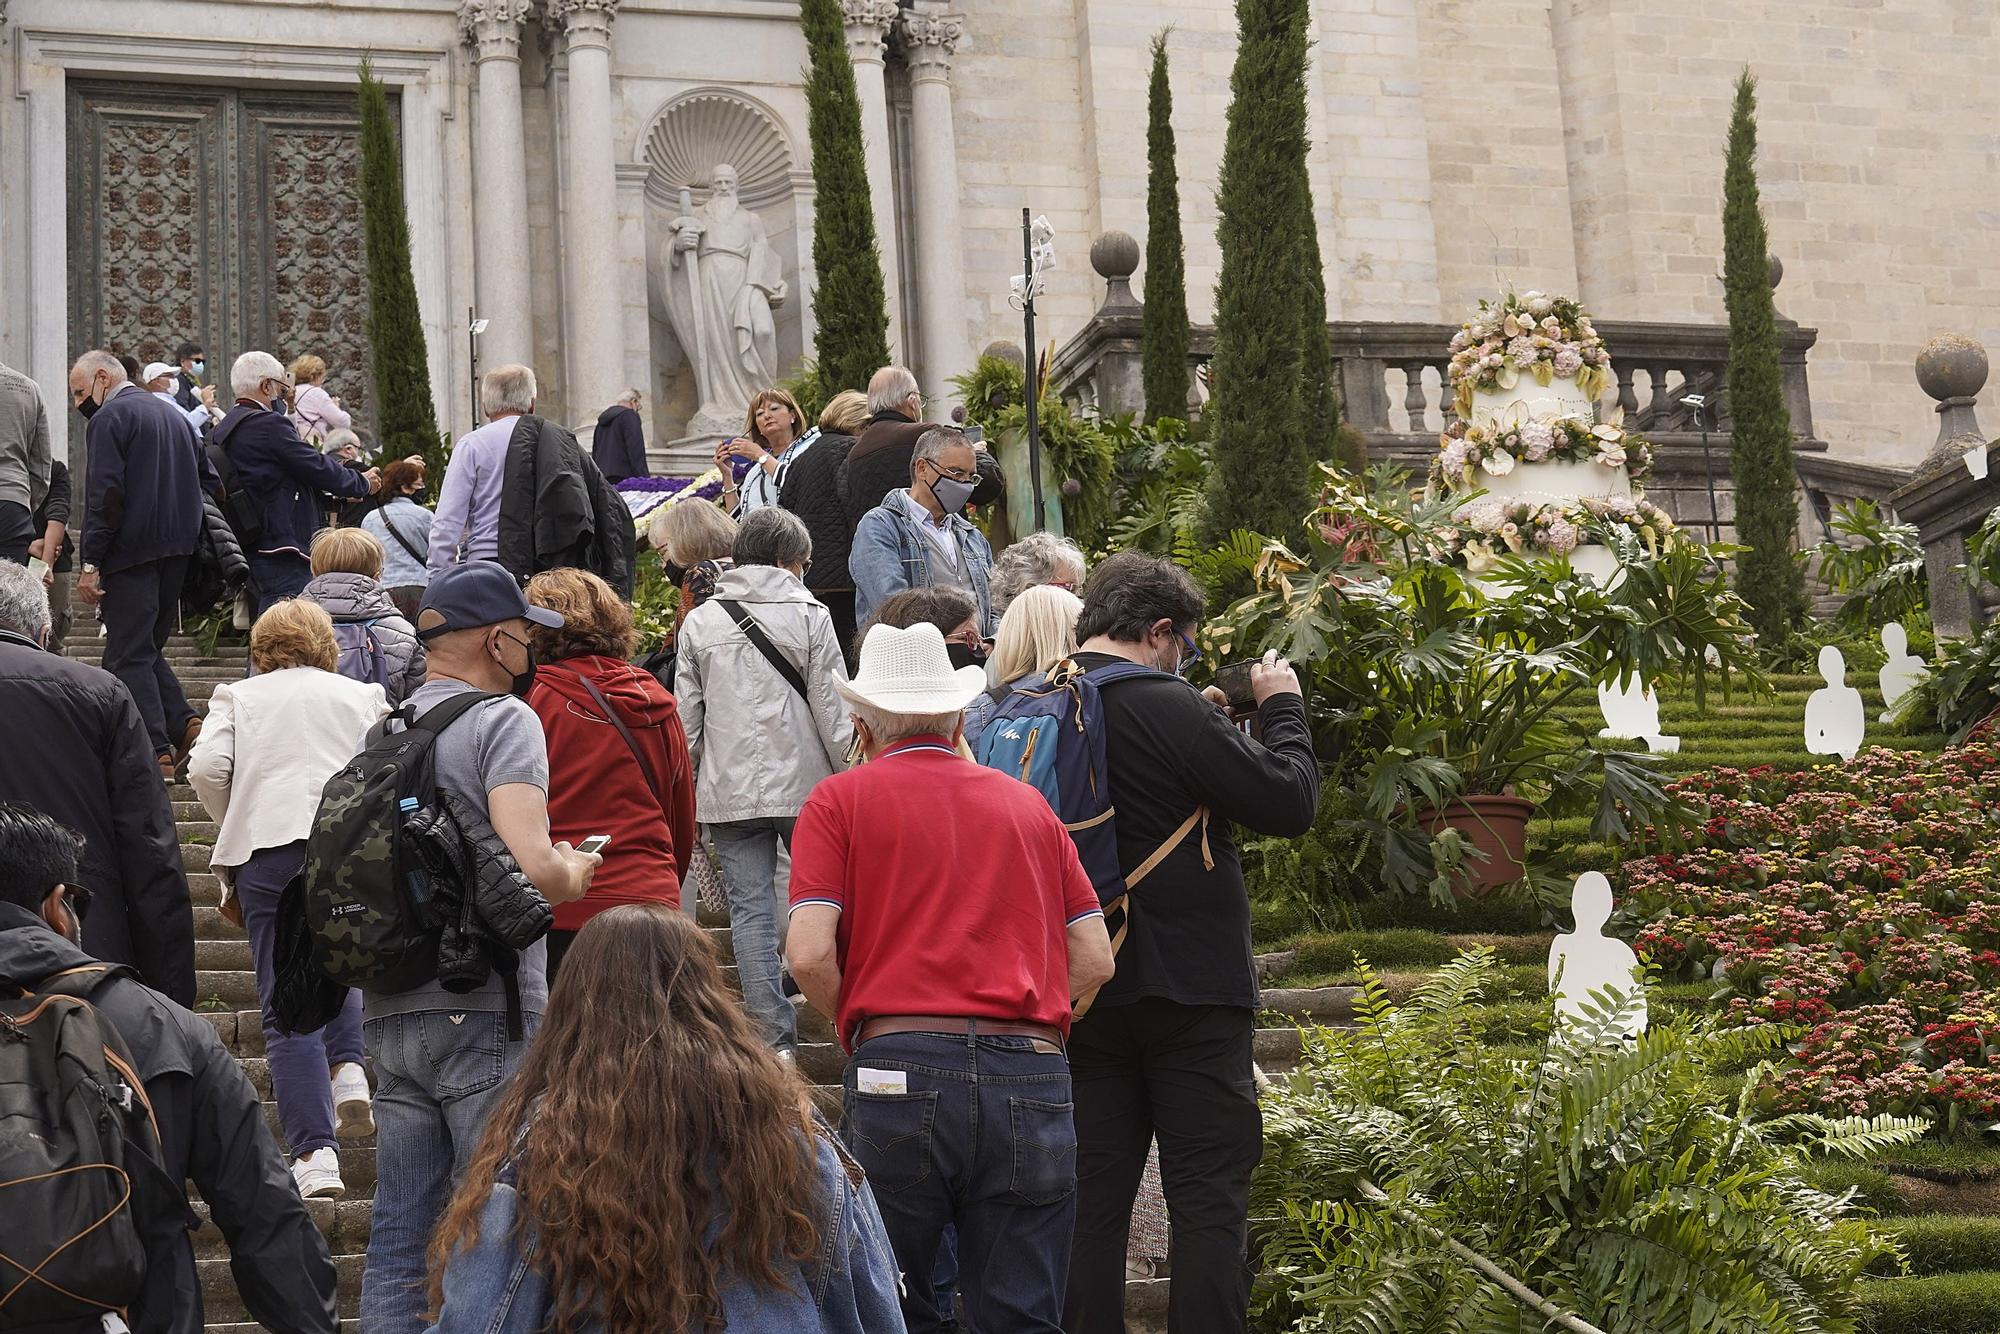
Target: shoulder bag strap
[(631, 742), (755, 634), (440, 716), (418, 556)]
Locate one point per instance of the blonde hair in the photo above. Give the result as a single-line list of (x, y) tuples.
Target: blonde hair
[(1037, 632), (596, 621), (780, 397), (846, 412), (294, 633), (308, 369), (346, 551), (688, 532)]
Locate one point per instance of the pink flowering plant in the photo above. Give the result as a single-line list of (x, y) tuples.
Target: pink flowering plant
[(1547, 337), (1471, 451), (1857, 904), (1483, 530)]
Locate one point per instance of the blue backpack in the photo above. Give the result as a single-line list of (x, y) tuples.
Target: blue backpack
[(1049, 733), (361, 656)]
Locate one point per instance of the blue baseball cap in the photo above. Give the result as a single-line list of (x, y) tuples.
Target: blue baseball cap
[(477, 593)]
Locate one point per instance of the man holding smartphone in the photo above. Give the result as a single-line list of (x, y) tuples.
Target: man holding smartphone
[(1165, 1050)]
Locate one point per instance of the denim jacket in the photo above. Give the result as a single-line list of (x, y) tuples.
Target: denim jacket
[(890, 555), (849, 1286)]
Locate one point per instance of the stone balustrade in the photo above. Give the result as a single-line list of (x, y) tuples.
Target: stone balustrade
[(1943, 497)]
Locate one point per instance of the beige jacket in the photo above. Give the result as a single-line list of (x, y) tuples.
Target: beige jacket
[(268, 746)]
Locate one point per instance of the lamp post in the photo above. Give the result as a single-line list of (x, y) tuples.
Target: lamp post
[(474, 326), (1699, 403), (1038, 254)]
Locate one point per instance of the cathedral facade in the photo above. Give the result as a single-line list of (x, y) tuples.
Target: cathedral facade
[(188, 169)]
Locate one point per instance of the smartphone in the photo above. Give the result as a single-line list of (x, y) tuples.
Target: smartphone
[(1233, 680), (595, 843)]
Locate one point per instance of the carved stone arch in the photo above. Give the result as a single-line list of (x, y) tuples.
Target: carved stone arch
[(697, 129)]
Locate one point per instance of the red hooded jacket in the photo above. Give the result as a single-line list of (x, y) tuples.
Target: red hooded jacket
[(597, 786)]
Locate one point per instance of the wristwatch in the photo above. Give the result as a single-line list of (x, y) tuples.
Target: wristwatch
[(88, 568)]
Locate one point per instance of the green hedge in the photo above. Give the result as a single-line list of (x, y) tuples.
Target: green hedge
[(1942, 1304), (1874, 1189), (1948, 1243)]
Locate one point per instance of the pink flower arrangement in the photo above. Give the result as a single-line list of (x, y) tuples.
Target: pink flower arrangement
[(1533, 333), (1468, 448), (1855, 902)]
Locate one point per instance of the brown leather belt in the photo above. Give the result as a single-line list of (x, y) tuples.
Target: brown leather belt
[(1047, 1037)]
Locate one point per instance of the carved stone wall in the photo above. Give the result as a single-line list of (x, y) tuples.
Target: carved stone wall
[(224, 217)]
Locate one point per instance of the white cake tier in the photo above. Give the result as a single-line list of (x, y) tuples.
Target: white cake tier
[(1528, 400), (1555, 479)]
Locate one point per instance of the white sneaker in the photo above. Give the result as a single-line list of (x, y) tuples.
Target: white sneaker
[(318, 1175), (354, 1114)]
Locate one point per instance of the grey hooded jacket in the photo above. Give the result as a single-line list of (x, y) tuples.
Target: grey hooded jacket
[(758, 747), (356, 597)]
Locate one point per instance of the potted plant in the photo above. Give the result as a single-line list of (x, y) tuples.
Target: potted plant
[(1444, 708)]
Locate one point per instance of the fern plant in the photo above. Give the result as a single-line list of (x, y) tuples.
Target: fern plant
[(1416, 1177)]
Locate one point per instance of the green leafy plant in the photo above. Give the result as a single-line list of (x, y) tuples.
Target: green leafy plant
[(654, 599), (1163, 334), (809, 389), (1877, 564), (407, 419), (1760, 442), (1417, 1177), (1160, 487), (1079, 448), (850, 312), (1424, 688)]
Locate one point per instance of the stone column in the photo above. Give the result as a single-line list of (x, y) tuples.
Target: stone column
[(868, 24), (928, 38), (595, 305), (500, 182)]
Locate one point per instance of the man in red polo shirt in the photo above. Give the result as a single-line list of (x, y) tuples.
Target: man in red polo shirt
[(939, 914)]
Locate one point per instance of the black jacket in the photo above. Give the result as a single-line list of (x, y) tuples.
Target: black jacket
[(55, 508), (77, 751), (558, 512), (143, 484), (812, 491), (187, 392), (1168, 751), (880, 462), (212, 1132), (620, 444), (219, 567), (282, 475)]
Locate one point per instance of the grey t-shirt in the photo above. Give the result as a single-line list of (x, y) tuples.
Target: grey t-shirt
[(497, 743)]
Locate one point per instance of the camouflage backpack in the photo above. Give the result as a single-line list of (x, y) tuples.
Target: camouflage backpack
[(366, 890)]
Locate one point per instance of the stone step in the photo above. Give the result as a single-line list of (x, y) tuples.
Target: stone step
[(222, 1305)]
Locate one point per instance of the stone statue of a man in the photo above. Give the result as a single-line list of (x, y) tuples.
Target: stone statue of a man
[(721, 282)]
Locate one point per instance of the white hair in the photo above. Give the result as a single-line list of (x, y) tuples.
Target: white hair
[(1038, 558), (890, 388), (253, 369), (507, 389), (630, 396), (90, 363), (24, 603), (336, 439), (887, 727)]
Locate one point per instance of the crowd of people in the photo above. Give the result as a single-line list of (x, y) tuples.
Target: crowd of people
[(596, 1132)]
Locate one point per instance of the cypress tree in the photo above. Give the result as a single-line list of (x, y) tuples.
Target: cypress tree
[(398, 357), (1760, 449), (852, 341), (1163, 337), (1318, 407), (1262, 450)]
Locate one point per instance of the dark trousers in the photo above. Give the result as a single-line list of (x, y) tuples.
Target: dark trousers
[(983, 1140), (1181, 1073), (141, 605), (17, 530), (275, 577), (839, 603)]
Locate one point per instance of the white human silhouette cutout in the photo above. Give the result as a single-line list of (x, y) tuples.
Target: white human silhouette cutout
[(1836, 718), (1586, 960), (1975, 462), (1902, 672), (1632, 710)]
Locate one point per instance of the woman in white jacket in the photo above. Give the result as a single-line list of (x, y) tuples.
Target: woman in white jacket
[(267, 747)]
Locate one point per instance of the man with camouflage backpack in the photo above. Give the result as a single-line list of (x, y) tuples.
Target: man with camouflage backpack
[(194, 1116)]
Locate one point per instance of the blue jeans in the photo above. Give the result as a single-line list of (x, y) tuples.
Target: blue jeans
[(301, 1063), (983, 1140), (437, 1075), (747, 852)]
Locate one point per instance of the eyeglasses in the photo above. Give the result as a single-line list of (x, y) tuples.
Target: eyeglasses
[(1190, 651), (77, 898), (956, 474)]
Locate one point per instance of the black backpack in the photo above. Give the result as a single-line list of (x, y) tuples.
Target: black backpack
[(244, 511), (80, 1138), (367, 887)]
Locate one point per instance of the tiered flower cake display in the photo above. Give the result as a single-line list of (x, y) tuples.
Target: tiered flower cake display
[(1526, 374)]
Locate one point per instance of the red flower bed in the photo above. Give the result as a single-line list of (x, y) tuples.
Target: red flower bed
[(1859, 902)]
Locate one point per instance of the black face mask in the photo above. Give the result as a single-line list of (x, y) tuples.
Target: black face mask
[(422, 495), (674, 570), (524, 680), (88, 408), (964, 655)]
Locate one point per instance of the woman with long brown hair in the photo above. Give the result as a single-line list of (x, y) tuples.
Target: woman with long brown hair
[(655, 1168)]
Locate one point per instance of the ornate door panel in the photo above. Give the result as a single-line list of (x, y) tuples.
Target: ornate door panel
[(228, 217)]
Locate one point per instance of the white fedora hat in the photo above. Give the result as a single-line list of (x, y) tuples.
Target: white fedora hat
[(909, 671)]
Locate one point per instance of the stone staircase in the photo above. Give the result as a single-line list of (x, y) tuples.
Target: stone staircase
[(226, 994)]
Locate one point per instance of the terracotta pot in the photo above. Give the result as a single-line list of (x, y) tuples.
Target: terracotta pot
[(1496, 826)]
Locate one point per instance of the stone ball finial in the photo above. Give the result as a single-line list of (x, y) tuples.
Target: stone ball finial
[(1952, 366), (1777, 271), (1115, 256), (1006, 350)]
